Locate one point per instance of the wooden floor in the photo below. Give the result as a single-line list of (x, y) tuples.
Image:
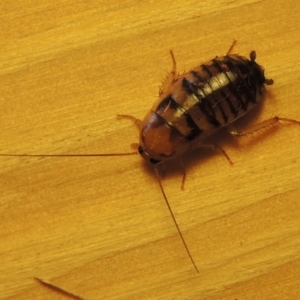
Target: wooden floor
[(99, 226)]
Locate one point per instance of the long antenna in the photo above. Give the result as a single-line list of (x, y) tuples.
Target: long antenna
[(174, 220), (59, 289), (111, 154), (66, 155)]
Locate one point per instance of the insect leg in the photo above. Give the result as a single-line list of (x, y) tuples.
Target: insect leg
[(231, 47), (171, 78), (137, 122), (183, 174), (262, 125), (216, 147)]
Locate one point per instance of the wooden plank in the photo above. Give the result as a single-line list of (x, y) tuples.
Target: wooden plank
[(99, 226)]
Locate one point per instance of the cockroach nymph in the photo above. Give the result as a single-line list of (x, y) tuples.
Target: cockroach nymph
[(193, 106), (196, 104)]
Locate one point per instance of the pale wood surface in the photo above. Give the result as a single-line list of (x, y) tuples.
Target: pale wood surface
[(99, 226)]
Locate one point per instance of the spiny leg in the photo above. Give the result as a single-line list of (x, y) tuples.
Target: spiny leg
[(171, 78), (262, 125)]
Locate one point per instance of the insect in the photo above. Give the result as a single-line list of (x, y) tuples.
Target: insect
[(193, 106)]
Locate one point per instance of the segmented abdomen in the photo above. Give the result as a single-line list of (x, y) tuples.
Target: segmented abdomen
[(211, 96)]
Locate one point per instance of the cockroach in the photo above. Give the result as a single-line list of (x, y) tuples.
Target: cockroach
[(193, 106)]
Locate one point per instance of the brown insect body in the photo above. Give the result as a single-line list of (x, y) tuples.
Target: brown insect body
[(199, 103)]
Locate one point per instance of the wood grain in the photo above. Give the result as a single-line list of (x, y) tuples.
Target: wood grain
[(99, 226)]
